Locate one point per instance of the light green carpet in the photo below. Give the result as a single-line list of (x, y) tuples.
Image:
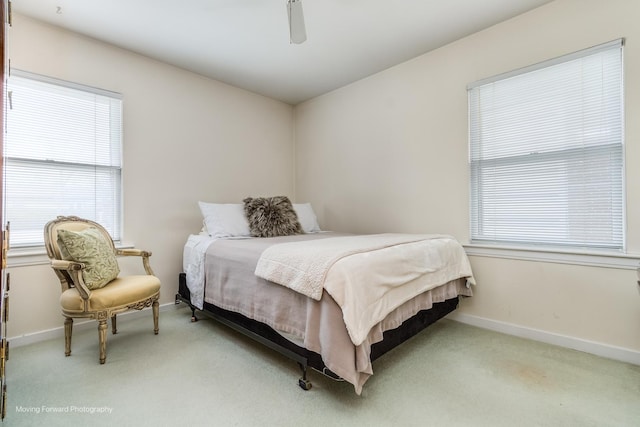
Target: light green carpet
[(204, 374)]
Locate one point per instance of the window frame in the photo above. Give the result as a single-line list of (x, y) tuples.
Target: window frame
[(31, 254), (547, 251)]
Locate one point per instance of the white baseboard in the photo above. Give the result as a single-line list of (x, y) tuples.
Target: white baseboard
[(84, 325), (592, 347)]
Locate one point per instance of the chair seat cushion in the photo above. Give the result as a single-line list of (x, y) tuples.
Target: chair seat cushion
[(117, 293)]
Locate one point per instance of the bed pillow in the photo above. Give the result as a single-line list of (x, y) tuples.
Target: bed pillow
[(90, 248), (307, 217), (223, 220), (271, 216)]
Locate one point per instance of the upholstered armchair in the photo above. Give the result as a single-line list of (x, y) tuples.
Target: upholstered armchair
[(83, 257)]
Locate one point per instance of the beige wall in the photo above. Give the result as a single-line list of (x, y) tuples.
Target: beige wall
[(389, 153), (186, 138)]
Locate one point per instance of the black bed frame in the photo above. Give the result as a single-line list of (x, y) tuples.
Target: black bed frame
[(264, 334)]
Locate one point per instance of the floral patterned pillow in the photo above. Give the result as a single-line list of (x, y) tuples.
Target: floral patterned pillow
[(89, 247)]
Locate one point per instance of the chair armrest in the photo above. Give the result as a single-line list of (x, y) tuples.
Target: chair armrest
[(74, 272), (60, 264), (138, 252), (132, 252)]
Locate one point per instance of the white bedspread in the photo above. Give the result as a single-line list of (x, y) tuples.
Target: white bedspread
[(368, 276)]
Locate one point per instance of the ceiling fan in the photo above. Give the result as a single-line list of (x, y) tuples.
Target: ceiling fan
[(297, 31)]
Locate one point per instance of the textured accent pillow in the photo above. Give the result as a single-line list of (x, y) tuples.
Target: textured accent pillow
[(271, 216), (90, 248)]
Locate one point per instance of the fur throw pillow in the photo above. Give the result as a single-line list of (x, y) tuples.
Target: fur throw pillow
[(271, 216)]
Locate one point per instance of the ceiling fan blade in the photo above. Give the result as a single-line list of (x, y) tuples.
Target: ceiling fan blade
[(297, 30)]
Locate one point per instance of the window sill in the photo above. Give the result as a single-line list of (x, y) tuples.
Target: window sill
[(592, 259), (24, 257)]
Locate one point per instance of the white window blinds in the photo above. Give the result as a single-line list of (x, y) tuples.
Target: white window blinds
[(63, 156), (546, 153)]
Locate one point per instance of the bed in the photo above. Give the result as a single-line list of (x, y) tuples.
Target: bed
[(240, 281)]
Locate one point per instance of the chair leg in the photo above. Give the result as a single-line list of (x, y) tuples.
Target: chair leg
[(102, 337), (155, 308), (114, 329), (68, 329)]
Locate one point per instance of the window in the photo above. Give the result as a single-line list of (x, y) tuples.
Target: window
[(546, 153), (63, 156)]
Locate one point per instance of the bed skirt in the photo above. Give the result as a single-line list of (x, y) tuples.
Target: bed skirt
[(270, 337)]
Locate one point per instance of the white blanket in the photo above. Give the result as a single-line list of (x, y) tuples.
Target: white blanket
[(193, 265), (368, 276)]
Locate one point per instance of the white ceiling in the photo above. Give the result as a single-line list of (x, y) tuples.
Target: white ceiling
[(245, 43)]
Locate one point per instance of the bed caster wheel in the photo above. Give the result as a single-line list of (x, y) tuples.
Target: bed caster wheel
[(304, 384), (194, 319)]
